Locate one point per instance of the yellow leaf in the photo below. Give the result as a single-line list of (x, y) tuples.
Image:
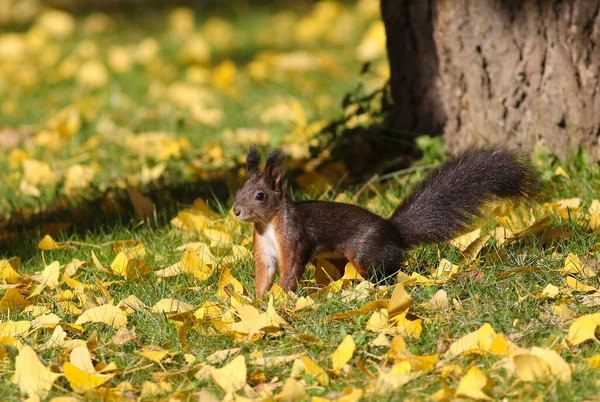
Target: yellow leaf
[(446, 269), (594, 211), (38, 173), (378, 321), (310, 367), (400, 301), (325, 272), (574, 266), (82, 381), (49, 276), (12, 300), (292, 391), (195, 50), (193, 265), (550, 291), (583, 329), (351, 274), (92, 74), (303, 303), (463, 241), (381, 340), (78, 177), (154, 355), (48, 243), (221, 355), (594, 361), (157, 145), (343, 353), (32, 377), (578, 286), (389, 382), (541, 365), (439, 301), (119, 59), (66, 122), (58, 24), (231, 377), (181, 21), (227, 279), (218, 239), (111, 315), (8, 270), (171, 306), (131, 303), (14, 328), (475, 342), (224, 77), (129, 268), (471, 385)]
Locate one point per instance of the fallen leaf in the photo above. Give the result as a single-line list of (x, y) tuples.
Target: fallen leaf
[(471, 385), (108, 314), (171, 306), (400, 301), (439, 301), (32, 377), (231, 377), (343, 353), (583, 329), (292, 391)]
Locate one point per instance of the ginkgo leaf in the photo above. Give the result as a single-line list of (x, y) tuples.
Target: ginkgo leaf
[(446, 269), (129, 268), (171, 306), (550, 291), (292, 390), (350, 273), (13, 300), (154, 355), (14, 328), (400, 301), (583, 329), (108, 314), (541, 365), (193, 265), (471, 385), (218, 238), (232, 376), (439, 301), (578, 286), (82, 381), (8, 270), (32, 377), (343, 353), (310, 367), (48, 243)]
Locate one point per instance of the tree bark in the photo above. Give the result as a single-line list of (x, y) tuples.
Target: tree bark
[(520, 72)]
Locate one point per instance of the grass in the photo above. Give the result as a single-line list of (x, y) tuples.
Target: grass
[(527, 322)]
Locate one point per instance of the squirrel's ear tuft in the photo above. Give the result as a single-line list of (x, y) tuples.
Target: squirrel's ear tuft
[(274, 168), (252, 160)]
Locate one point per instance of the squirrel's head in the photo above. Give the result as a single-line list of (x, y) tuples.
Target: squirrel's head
[(263, 194)]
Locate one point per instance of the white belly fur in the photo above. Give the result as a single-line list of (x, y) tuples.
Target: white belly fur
[(270, 249)]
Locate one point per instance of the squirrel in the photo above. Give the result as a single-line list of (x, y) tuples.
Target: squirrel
[(290, 234)]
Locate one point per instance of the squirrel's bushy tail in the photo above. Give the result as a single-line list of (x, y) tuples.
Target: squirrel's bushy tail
[(450, 200)]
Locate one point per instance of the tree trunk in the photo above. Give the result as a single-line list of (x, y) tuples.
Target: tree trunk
[(520, 72)]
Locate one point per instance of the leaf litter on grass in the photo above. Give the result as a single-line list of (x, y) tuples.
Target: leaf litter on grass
[(469, 366)]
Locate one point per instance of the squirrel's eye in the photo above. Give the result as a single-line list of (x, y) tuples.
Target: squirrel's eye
[(260, 196)]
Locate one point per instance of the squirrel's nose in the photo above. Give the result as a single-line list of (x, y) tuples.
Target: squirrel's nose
[(236, 210)]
